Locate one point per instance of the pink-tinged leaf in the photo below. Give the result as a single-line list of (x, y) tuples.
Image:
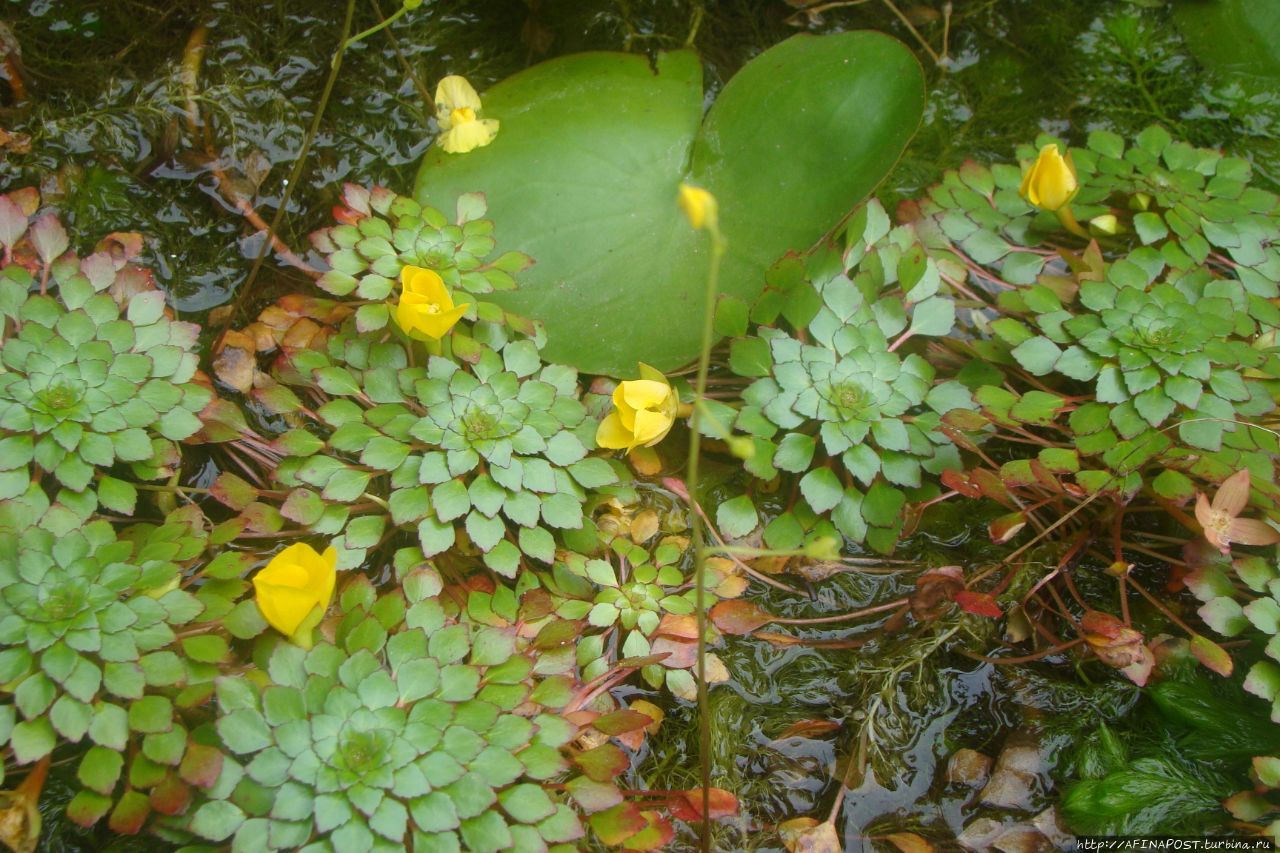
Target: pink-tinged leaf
[(1212, 655), (1251, 531), (121, 245), (656, 835), (1006, 527), (678, 487), (322, 242), (739, 617), (688, 806), (1233, 494), (602, 763), (591, 795), (356, 198), (1139, 672), (49, 238), (381, 199), (979, 604), (679, 654), (615, 825), (13, 222), (1247, 805), (621, 722)]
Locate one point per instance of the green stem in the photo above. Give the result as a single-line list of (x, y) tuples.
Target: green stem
[(386, 22), (697, 529), (1068, 220)]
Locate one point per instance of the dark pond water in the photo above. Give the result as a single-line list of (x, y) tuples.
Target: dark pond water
[(158, 116)]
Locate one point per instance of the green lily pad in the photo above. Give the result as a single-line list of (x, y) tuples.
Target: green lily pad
[(584, 172), (1236, 36)]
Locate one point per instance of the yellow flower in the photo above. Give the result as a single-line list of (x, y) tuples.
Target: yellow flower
[(295, 588), (1050, 183), (699, 205), (457, 111), (426, 311), (644, 411)]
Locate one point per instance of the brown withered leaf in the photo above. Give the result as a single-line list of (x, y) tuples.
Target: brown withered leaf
[(739, 617), (909, 842), (935, 590), (808, 729), (644, 526), (806, 835)]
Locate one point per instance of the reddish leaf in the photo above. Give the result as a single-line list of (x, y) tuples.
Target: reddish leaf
[(614, 826), (935, 590), (681, 654), (688, 806), (232, 491), (1212, 655), (171, 796), (739, 617), (201, 765), (129, 815), (909, 842), (561, 632), (979, 603), (676, 625), (1247, 805), (957, 481), (808, 728), (620, 722), (1006, 527), (656, 835), (591, 795), (603, 762)]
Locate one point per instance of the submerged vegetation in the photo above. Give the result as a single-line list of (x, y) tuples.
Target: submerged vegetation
[(390, 510)]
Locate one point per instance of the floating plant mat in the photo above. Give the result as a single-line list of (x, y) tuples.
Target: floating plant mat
[(584, 171)]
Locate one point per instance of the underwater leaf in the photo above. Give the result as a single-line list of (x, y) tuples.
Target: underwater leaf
[(979, 604), (798, 137), (1212, 655), (738, 617)]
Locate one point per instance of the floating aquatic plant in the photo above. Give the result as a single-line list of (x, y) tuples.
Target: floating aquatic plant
[(95, 371), (835, 396)]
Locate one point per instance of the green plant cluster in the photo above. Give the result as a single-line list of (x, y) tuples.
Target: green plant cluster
[(835, 398), (92, 655), (94, 375), (385, 232), (409, 728), (1170, 319)]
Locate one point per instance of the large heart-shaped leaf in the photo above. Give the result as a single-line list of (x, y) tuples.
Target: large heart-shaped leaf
[(1237, 36), (592, 148)]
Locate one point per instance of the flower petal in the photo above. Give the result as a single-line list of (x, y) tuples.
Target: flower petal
[(611, 434), (1204, 513), (283, 607), (453, 92), (1233, 494), (426, 284), (468, 136), (645, 393), (1251, 531), (651, 427)]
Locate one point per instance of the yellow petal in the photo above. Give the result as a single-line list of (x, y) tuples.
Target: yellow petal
[(611, 434), (454, 92), (432, 325), (698, 205), (645, 393), (1050, 183), (461, 138), (284, 608), (625, 411), (426, 283), (651, 427)]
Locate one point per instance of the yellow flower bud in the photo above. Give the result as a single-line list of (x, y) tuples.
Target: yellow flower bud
[(644, 411), (457, 112), (426, 311), (295, 588), (1050, 183), (699, 205)]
